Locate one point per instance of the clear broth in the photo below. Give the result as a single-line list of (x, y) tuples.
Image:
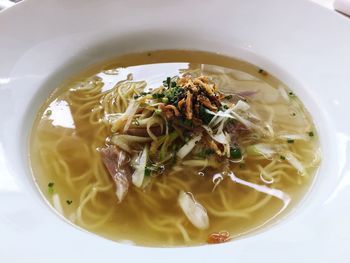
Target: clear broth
[(63, 151)]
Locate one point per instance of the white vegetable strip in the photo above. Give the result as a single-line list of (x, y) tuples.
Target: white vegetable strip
[(220, 114), (139, 174), (232, 115), (302, 137), (129, 113), (219, 137), (193, 210), (110, 118), (247, 123), (296, 164), (187, 148), (266, 150), (241, 105), (263, 189)]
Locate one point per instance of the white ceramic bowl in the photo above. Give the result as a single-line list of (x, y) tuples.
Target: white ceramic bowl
[(306, 46)]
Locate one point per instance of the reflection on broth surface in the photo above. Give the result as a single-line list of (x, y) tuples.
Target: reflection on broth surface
[(173, 148)]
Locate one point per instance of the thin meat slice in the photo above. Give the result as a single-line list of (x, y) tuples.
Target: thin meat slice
[(118, 165), (142, 132)]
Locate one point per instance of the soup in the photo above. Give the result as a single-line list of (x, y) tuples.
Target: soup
[(173, 148)]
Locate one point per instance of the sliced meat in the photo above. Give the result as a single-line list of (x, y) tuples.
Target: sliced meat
[(142, 132), (118, 165), (236, 128)]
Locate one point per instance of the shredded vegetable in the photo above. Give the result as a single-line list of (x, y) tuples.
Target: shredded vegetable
[(193, 210), (140, 167)]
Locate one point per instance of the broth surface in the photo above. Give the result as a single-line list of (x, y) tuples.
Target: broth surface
[(67, 166)]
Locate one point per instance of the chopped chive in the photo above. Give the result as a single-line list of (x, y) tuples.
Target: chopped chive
[(157, 95), (165, 100), (69, 202), (311, 134), (262, 72), (50, 187), (167, 82), (228, 97), (290, 141), (147, 171), (48, 112), (291, 94), (204, 116), (282, 157), (235, 153), (174, 147)]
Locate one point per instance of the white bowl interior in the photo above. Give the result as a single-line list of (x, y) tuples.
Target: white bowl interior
[(105, 49)]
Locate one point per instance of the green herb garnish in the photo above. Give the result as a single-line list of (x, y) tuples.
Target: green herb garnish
[(167, 82), (165, 100), (69, 202), (50, 187), (48, 112), (223, 107), (282, 157), (290, 141), (262, 72), (158, 95), (148, 171), (311, 134), (158, 111), (235, 153), (204, 115)]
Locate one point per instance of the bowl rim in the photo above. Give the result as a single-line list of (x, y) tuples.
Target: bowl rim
[(25, 66)]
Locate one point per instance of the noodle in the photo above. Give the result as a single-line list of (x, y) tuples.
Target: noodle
[(70, 158)]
